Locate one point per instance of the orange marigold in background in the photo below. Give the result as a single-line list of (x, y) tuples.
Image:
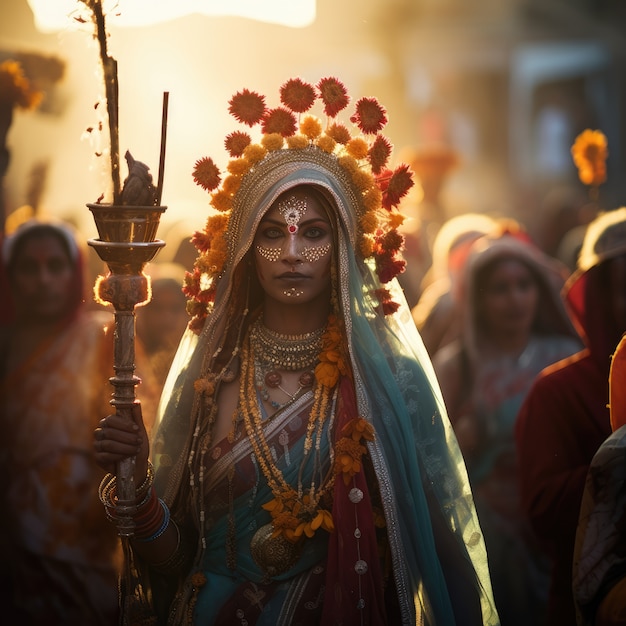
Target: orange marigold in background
[(590, 152), (15, 88)]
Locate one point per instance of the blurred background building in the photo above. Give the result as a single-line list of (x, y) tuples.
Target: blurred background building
[(504, 85)]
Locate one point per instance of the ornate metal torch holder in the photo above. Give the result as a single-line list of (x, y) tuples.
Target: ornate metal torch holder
[(127, 241)]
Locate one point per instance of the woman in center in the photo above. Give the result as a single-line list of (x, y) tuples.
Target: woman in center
[(305, 471)]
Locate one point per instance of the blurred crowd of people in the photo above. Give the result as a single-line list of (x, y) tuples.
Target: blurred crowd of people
[(521, 345)]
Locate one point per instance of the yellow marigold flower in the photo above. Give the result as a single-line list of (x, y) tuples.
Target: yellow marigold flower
[(238, 167), (326, 143), (362, 179), (221, 201), (215, 260), (369, 222), (297, 142), (231, 185), (357, 148), (273, 141), (372, 198), (590, 153), (255, 153), (366, 246), (311, 127)]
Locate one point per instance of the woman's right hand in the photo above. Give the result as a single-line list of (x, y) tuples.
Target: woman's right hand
[(118, 438)]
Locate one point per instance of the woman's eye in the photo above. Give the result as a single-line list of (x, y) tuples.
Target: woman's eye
[(272, 233), (315, 232)]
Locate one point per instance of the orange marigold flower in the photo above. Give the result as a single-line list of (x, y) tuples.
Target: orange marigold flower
[(15, 88), (327, 374), (348, 163), (396, 186), (206, 174), (281, 121), (197, 324), (198, 579), (362, 179), (297, 95), (221, 201), (359, 428), (366, 246), (388, 268), (357, 148), (369, 222), (590, 153), (326, 143), (273, 141), (238, 167), (370, 116), (297, 142), (372, 199), (396, 219), (339, 133), (379, 153), (247, 107), (334, 95), (254, 153), (311, 127), (236, 143), (204, 386), (231, 185)]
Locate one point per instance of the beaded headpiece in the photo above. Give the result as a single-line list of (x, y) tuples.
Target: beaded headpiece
[(292, 139)]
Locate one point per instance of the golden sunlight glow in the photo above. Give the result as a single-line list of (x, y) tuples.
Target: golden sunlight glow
[(54, 15)]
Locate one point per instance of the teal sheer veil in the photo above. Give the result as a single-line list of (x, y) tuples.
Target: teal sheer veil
[(418, 465)]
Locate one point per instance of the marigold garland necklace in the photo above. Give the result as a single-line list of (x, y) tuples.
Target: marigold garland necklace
[(295, 510)]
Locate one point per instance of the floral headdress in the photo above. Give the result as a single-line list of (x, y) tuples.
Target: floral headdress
[(288, 131)]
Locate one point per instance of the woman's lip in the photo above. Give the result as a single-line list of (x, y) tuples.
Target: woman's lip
[(291, 276)]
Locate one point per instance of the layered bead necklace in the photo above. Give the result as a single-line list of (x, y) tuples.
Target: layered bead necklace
[(274, 351)]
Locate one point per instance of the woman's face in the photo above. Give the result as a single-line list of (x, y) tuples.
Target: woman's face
[(42, 278), (508, 298), (293, 249)]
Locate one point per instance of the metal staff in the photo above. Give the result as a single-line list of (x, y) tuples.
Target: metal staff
[(127, 242)]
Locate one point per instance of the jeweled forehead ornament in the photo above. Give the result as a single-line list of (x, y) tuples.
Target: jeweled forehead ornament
[(292, 209)]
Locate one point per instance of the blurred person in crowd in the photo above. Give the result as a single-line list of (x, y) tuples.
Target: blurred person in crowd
[(514, 324), (565, 416), (436, 314), (599, 567), (60, 554), (160, 324)]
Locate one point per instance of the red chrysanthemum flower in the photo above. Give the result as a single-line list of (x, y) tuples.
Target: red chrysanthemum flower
[(370, 116), (392, 241), (201, 241), (339, 133), (395, 186), (297, 95), (388, 268), (236, 143), (379, 154), (281, 121), (334, 95), (206, 174), (247, 107)]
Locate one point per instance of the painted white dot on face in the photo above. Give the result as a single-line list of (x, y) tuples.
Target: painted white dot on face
[(270, 254), (315, 253)]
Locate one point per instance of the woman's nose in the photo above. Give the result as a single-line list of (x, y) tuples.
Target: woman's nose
[(292, 252)]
